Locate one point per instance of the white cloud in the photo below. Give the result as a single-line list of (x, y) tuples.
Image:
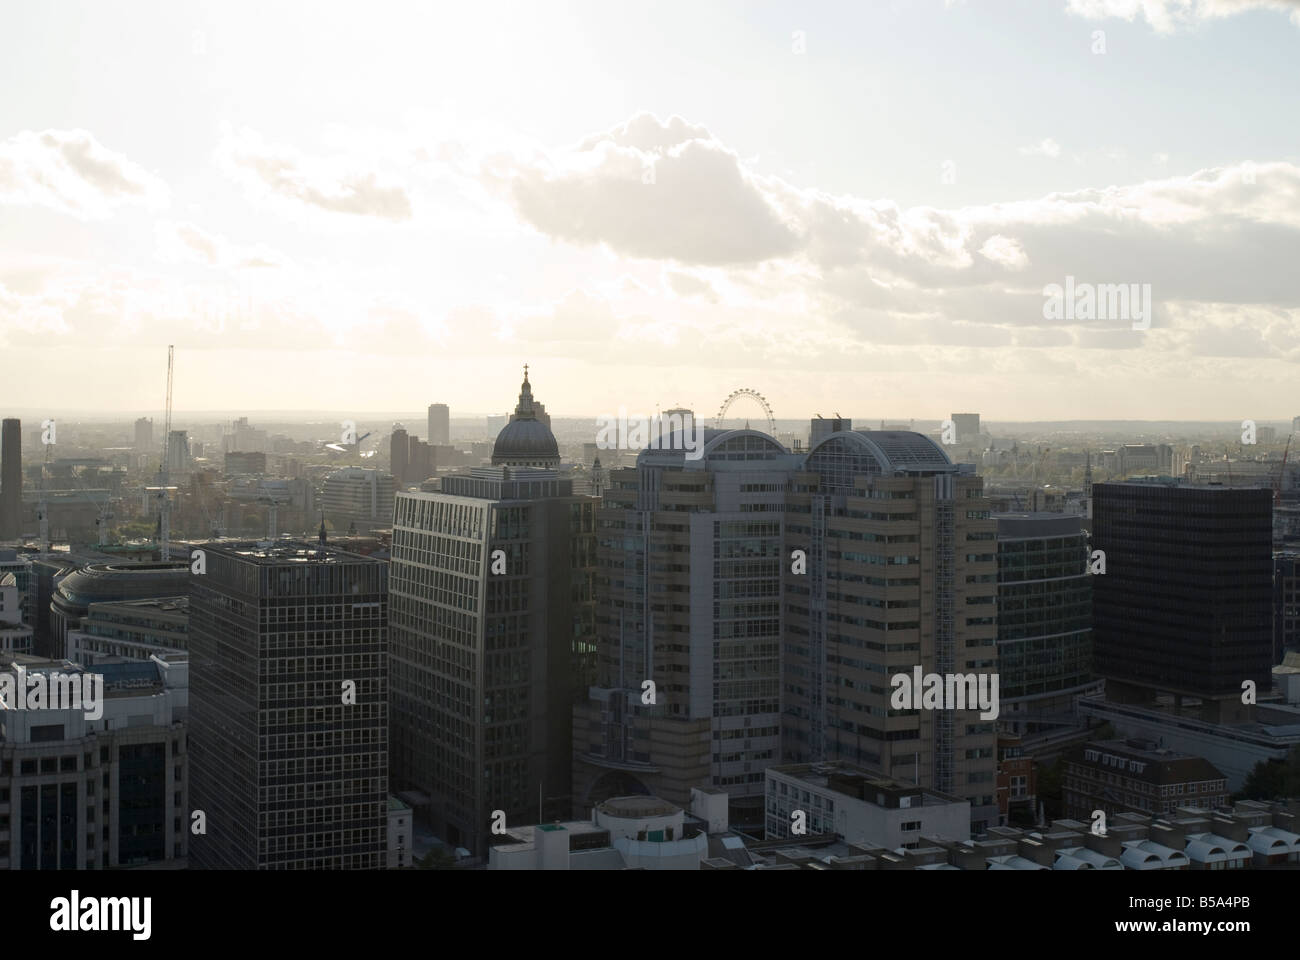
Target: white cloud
[(1046, 147), (335, 184), (72, 172), (656, 190), (182, 242), (1166, 16), (1006, 251)]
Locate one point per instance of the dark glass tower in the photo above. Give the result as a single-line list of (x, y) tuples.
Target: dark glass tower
[(11, 479), (287, 773), (1044, 618), (1185, 605)]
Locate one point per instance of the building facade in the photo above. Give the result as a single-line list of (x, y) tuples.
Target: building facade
[(439, 425), (1044, 619), (491, 620), (1135, 776), (690, 568), (91, 794), (290, 707), (1185, 607), (901, 574)]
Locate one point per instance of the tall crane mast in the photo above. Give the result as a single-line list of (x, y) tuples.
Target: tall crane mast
[(43, 509), (1281, 474), (164, 468)]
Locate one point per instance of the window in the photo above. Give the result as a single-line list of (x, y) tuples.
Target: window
[(911, 826)]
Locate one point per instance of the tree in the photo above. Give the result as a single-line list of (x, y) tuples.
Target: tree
[(1273, 779), (439, 858)]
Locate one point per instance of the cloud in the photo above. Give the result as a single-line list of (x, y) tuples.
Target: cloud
[(689, 285), (72, 172), (659, 190), (1044, 148), (1004, 250), (335, 184), (1166, 16), (181, 242)]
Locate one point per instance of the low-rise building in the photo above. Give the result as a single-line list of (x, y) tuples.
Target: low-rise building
[(80, 792), (859, 806), (1136, 776)]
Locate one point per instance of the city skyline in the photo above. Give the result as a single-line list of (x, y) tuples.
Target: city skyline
[(444, 204)]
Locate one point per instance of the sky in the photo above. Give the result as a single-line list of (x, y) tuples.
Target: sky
[(848, 207)]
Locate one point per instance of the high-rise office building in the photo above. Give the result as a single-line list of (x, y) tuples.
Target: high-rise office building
[(289, 707), (144, 435), (360, 497), (1185, 605), (399, 452), (1044, 619), (11, 479), (439, 425), (901, 574), (688, 598), (823, 427), (178, 452), (491, 625), (1286, 603), (967, 426)]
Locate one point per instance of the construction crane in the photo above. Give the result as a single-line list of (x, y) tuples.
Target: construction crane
[(105, 510), (1281, 474), (43, 508), (165, 529)]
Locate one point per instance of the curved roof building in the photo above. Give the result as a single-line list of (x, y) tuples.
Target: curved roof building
[(846, 454), (111, 581), (526, 441)]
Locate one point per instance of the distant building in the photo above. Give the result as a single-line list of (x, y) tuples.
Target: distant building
[(967, 426), (178, 452), (496, 424), (399, 454), (1145, 458), (439, 425), (245, 463), (11, 479), (859, 806), (358, 496), (1185, 605), (419, 460), (144, 435), (1135, 776), (822, 427)]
